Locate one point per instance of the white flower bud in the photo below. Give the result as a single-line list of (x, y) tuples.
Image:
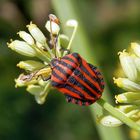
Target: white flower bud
[(130, 111), (110, 121), (30, 65), (35, 90), (40, 99), (128, 65), (40, 92), (126, 84), (52, 27), (45, 72), (24, 80), (136, 48), (133, 114), (39, 45), (36, 33), (128, 97), (137, 63), (26, 37), (72, 23), (22, 48), (126, 108), (41, 82)]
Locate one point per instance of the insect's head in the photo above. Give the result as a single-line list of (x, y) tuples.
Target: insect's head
[(54, 62)]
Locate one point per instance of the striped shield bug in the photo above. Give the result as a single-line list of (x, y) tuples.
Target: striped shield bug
[(80, 82)]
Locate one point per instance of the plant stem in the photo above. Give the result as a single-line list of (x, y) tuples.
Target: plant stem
[(70, 42), (72, 37), (116, 113), (49, 50)]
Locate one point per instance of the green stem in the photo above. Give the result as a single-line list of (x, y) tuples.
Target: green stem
[(72, 37), (71, 40), (40, 54), (121, 116), (49, 50)]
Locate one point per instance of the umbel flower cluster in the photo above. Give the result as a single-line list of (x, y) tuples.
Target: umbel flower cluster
[(35, 45), (128, 101)]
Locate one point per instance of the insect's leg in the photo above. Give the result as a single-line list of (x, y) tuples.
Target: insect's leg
[(77, 101), (45, 78)]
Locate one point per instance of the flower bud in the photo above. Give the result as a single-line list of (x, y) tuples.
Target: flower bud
[(126, 84), (30, 65), (38, 92), (41, 82), (40, 99), (36, 33), (136, 48), (128, 65), (24, 80), (126, 108), (22, 48), (137, 63), (72, 23), (133, 114), (52, 27), (26, 37), (35, 90), (110, 121), (44, 72), (53, 18), (39, 45), (128, 97), (130, 111)]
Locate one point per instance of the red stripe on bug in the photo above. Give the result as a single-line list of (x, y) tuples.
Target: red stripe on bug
[(69, 62), (89, 69), (74, 59), (55, 79), (90, 79), (66, 91), (66, 69), (87, 96), (63, 76), (87, 86), (84, 63)]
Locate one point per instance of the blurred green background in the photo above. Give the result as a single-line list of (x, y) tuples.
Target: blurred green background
[(106, 27)]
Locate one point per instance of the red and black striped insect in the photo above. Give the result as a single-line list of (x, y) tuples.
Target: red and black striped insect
[(80, 82)]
